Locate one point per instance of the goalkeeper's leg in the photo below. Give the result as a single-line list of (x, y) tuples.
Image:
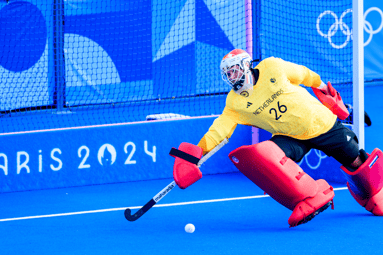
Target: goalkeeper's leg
[(363, 172), (267, 166), (366, 182)]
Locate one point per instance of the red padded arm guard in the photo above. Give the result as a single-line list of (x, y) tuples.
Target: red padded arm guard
[(332, 100), (185, 170)]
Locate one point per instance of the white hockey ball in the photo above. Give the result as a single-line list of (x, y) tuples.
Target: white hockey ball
[(189, 228)]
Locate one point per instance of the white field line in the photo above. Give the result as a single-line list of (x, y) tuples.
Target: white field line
[(138, 207)]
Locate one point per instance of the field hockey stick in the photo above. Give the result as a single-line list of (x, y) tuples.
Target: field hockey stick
[(167, 189)]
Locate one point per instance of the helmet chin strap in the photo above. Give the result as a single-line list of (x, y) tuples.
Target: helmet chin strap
[(248, 84)]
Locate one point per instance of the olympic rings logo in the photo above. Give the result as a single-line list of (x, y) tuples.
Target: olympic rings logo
[(367, 25), (339, 24), (314, 166)]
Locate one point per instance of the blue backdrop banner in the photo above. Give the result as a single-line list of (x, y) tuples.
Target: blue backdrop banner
[(105, 154)]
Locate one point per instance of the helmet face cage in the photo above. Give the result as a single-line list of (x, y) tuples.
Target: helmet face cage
[(234, 68), (234, 76)]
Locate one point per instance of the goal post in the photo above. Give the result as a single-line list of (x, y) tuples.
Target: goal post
[(358, 71), (249, 49)]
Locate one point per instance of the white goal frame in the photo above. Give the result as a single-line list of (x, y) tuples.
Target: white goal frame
[(358, 71)]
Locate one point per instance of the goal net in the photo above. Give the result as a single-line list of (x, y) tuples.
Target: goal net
[(80, 63), (318, 35)]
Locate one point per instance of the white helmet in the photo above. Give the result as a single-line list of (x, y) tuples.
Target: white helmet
[(235, 70)]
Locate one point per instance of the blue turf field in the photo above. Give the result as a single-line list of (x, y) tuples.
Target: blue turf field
[(248, 226), (242, 225)]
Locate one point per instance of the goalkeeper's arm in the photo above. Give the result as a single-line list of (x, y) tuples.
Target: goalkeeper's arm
[(298, 74), (185, 170), (223, 127)]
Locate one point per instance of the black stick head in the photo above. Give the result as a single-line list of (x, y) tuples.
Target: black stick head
[(135, 216), (128, 214)]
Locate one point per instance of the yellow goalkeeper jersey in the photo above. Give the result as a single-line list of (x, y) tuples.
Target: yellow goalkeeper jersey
[(277, 104)]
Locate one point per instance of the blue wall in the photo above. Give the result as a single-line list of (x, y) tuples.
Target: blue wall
[(105, 154)]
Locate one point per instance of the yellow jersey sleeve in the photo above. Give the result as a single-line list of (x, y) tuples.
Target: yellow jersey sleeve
[(298, 74), (222, 127)]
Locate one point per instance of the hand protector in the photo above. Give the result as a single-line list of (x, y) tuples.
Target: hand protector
[(185, 170), (332, 100)]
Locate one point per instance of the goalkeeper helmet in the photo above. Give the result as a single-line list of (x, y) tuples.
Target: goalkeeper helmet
[(236, 71)]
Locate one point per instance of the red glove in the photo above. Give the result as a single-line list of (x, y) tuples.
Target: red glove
[(332, 100), (185, 170)]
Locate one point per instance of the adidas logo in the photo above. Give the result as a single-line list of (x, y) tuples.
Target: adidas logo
[(348, 138), (249, 104)]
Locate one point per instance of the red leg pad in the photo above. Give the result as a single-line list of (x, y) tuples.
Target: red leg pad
[(366, 183), (375, 204), (312, 204), (266, 165), (184, 172)]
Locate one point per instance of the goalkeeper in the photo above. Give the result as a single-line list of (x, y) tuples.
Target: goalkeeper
[(270, 97)]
